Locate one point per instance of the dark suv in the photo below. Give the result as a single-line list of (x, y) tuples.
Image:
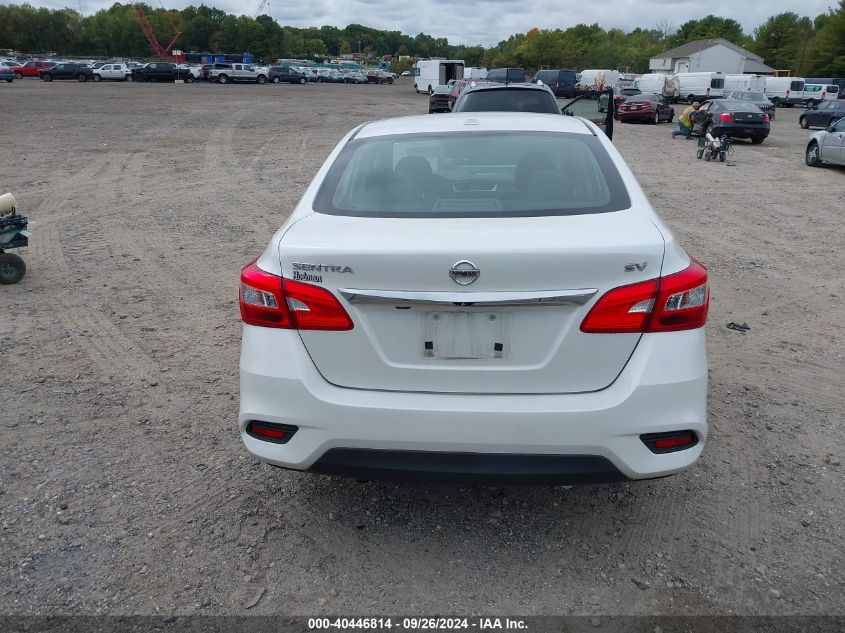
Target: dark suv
[(507, 98), (279, 74), (67, 70), (562, 82), (506, 75)]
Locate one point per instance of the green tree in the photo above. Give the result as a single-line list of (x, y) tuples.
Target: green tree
[(826, 51), (780, 40)]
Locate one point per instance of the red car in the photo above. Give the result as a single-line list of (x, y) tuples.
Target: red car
[(30, 69), (650, 108), (379, 77)]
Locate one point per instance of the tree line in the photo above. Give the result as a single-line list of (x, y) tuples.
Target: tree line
[(804, 45)]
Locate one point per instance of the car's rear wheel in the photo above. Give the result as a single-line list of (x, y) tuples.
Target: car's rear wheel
[(222, 79), (189, 78), (756, 140), (12, 268), (776, 102), (46, 77), (302, 81), (812, 155), (803, 123), (82, 77), (129, 78), (656, 118), (18, 76), (97, 78), (812, 103), (276, 80), (690, 99), (261, 79)]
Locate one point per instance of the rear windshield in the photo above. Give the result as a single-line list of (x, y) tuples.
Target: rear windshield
[(833, 89), (717, 83), (510, 100), (473, 175), (796, 85), (637, 98)]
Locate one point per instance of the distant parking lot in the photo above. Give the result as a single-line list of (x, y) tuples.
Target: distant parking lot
[(124, 486)]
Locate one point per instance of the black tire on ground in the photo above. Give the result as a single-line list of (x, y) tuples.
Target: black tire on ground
[(776, 102), (690, 99), (82, 77), (276, 80), (46, 77), (656, 118), (756, 140), (261, 79), (18, 76), (803, 123), (97, 78), (12, 268), (129, 78), (189, 78), (811, 156), (222, 79), (812, 103), (302, 81), (699, 154)]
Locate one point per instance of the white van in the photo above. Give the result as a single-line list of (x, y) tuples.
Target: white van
[(691, 87), (430, 73), (474, 72), (654, 83), (785, 91), (814, 94), (597, 79), (755, 83)]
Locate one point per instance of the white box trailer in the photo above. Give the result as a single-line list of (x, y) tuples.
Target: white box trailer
[(756, 83), (474, 72), (430, 73), (785, 91), (692, 87), (593, 79)]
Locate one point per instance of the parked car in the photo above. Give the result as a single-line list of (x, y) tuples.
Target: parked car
[(561, 82), (648, 108), (6, 74), (406, 73), (66, 70), (30, 69), (619, 96), (757, 98), (495, 97), (224, 73), (550, 330), (828, 145), (456, 89), (355, 77), (438, 100), (379, 77), (162, 71), (287, 74), (733, 118), (823, 114), (691, 87), (785, 91), (816, 93), (506, 75), (114, 72)]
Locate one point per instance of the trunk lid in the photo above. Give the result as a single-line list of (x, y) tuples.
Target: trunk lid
[(514, 329)]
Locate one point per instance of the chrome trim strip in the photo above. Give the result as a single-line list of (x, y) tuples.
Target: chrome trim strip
[(402, 298)]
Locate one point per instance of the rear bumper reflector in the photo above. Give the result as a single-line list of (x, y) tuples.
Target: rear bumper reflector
[(669, 442), (270, 431)]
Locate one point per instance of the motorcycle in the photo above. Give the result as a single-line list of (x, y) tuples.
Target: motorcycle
[(13, 234)]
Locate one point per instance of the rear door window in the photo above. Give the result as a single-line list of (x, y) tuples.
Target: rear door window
[(717, 82), (796, 85)]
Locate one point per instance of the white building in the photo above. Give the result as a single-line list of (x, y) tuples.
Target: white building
[(714, 55)]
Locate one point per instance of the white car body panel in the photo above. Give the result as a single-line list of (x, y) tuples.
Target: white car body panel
[(831, 144), (560, 392)]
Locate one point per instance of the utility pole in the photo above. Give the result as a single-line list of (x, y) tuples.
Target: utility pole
[(803, 50)]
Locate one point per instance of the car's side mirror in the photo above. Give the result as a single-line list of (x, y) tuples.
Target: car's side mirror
[(567, 112), (832, 126)]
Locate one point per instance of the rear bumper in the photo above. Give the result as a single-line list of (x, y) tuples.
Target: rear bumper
[(662, 388), (648, 115), (478, 468), (740, 131)]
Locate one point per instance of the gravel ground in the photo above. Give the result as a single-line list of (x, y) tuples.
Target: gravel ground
[(124, 487)]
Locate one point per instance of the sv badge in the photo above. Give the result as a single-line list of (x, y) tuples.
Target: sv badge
[(632, 267)]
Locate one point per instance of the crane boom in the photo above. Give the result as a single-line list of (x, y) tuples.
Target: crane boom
[(141, 17)]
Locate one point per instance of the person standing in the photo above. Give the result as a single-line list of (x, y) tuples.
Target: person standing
[(685, 121)]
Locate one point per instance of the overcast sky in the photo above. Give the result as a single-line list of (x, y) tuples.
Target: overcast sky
[(490, 21)]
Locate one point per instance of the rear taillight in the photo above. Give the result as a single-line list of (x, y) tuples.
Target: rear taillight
[(268, 300), (726, 116), (668, 304), (765, 118)]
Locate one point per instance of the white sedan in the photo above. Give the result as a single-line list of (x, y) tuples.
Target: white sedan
[(485, 297), (827, 146)]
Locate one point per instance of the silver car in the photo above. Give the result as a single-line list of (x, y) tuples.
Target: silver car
[(827, 146)]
